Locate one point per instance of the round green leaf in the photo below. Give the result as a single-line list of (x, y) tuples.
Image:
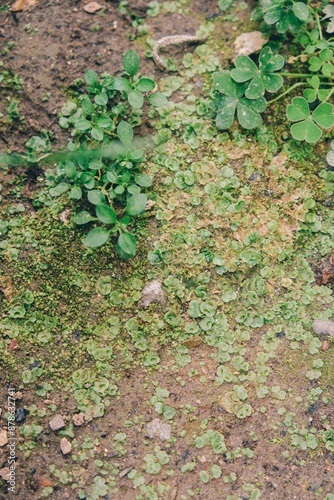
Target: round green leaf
[(145, 85), (225, 116), (101, 99), (323, 115), (126, 244), (106, 214), (96, 237), (59, 189), (96, 134), (136, 204), (104, 122), (82, 125), (158, 99), (143, 180), (87, 106), (125, 132), (96, 197), (91, 77), (131, 62), (298, 109), (301, 11), (306, 130), (82, 218), (76, 193), (122, 84), (136, 99)]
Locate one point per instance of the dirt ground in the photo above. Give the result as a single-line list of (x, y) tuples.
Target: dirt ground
[(263, 455)]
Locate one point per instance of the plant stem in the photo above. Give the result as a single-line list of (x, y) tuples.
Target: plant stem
[(287, 92), (299, 75), (330, 93), (319, 26)]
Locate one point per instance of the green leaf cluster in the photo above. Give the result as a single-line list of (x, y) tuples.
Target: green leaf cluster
[(108, 183), (240, 92)]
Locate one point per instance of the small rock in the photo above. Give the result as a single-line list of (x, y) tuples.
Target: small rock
[(150, 204), (92, 7), (56, 423), (78, 419), (153, 292), (65, 216), (248, 43), (323, 327), (5, 473), (124, 472), (20, 5), (3, 438), (325, 345), (193, 342), (20, 415), (156, 428), (65, 446)]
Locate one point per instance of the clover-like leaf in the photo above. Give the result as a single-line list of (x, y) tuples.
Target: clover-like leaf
[(233, 102), (308, 126), (260, 78), (298, 109), (323, 63)]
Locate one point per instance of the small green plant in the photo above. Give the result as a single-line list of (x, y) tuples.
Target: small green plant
[(241, 92), (104, 173)]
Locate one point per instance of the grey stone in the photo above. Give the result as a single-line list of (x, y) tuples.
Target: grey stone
[(3, 438), (56, 423), (323, 327), (65, 446), (156, 428), (153, 292)]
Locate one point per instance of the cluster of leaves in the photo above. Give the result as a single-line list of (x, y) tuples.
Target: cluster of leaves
[(241, 92), (105, 172)]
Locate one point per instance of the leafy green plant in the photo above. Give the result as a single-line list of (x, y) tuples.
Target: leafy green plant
[(104, 172), (241, 92)]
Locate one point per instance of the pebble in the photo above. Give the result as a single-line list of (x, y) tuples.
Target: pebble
[(65, 446), (156, 428), (248, 43), (5, 473), (153, 292), (78, 419), (124, 472), (3, 438), (56, 423), (193, 342), (20, 415), (323, 327), (92, 7)]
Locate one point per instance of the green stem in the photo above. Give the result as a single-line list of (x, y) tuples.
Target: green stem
[(330, 93), (299, 75), (287, 92), (319, 26)]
